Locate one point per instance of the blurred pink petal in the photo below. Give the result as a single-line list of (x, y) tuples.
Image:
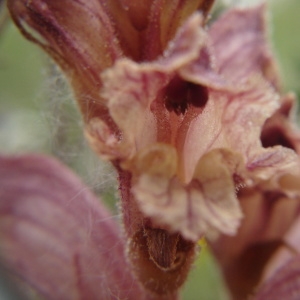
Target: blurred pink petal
[(244, 257), (288, 251), (239, 41), (57, 236), (285, 284)]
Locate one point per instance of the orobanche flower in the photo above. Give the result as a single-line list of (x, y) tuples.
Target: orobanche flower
[(191, 117)]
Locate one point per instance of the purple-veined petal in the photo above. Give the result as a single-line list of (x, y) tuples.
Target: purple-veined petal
[(290, 249), (267, 236), (285, 284), (225, 121), (57, 236), (240, 46), (259, 248), (206, 205)]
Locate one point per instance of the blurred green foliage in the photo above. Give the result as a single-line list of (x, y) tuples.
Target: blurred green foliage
[(285, 23), (31, 119), (20, 70)]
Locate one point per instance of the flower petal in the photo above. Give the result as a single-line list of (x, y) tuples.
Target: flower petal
[(280, 128), (57, 236), (204, 206), (226, 120), (268, 216), (290, 248), (240, 45), (285, 284)]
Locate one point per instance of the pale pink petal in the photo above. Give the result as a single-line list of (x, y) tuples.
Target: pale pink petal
[(204, 70), (57, 237), (281, 139), (206, 205), (273, 162), (231, 120), (240, 46)]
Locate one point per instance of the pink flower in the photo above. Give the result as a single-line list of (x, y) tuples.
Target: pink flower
[(189, 118), (264, 253)]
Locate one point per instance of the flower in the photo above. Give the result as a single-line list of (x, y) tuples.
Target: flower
[(267, 241), (186, 114)]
